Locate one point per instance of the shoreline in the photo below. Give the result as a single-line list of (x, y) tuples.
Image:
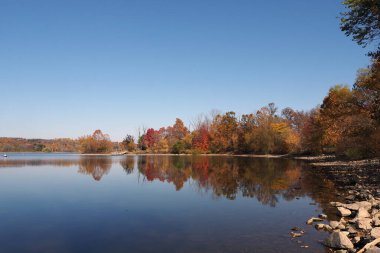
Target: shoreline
[(357, 182), (154, 154)]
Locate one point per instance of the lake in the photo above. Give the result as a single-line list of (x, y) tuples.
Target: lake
[(73, 203)]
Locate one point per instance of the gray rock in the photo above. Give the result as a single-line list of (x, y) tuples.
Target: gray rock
[(352, 207), (334, 224), (364, 223), (343, 221), (321, 226), (341, 226), (313, 219), (364, 204), (375, 233), (338, 240), (323, 216), (363, 213), (343, 212), (355, 206), (353, 221), (336, 204)]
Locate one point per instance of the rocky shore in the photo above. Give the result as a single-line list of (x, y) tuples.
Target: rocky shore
[(358, 183), (357, 230), (354, 180)]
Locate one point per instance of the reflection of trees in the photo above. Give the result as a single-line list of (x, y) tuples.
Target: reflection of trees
[(37, 162), (97, 167), (267, 180), (166, 169), (263, 179), (128, 164)]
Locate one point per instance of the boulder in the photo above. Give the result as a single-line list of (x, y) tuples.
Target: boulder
[(364, 204), (343, 221), (355, 206), (363, 213), (364, 223), (352, 207), (338, 240), (334, 224), (343, 212)]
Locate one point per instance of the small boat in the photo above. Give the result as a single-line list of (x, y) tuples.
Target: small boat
[(5, 155)]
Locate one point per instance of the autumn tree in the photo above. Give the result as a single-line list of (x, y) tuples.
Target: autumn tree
[(367, 90), (201, 134), (223, 132), (178, 130), (347, 122), (246, 128), (312, 133), (178, 137), (201, 139), (128, 143), (149, 138), (95, 143), (263, 138)]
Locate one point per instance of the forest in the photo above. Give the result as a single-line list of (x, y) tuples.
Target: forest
[(346, 123)]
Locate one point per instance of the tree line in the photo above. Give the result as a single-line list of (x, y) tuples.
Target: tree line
[(346, 123)]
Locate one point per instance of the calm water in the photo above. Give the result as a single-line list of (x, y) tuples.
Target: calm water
[(71, 203)]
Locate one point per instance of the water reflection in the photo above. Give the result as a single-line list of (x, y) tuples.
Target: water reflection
[(128, 164), (131, 200), (227, 177), (6, 162), (97, 167), (267, 180)]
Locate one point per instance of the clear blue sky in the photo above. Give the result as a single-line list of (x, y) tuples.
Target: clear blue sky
[(69, 67)]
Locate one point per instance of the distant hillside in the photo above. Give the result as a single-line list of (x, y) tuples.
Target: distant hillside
[(38, 145)]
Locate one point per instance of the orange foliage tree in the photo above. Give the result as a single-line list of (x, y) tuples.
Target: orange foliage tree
[(95, 143)]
